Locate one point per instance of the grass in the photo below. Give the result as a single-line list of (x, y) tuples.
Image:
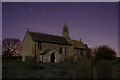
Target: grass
[(17, 69)]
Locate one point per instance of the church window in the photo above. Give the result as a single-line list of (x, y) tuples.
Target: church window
[(39, 45), (61, 50)]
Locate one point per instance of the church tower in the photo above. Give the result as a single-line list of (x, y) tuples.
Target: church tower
[(65, 31)]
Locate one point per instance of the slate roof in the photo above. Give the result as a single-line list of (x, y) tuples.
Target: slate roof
[(42, 37), (79, 44)]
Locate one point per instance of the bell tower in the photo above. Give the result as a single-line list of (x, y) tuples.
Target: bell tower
[(65, 31)]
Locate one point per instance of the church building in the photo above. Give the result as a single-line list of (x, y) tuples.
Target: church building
[(52, 48)]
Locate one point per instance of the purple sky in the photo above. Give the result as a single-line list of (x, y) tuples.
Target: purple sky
[(95, 23)]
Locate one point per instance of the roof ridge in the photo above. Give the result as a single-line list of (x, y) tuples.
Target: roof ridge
[(76, 40), (37, 36), (46, 34), (79, 41)]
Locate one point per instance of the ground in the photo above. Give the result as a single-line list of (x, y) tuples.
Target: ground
[(17, 69)]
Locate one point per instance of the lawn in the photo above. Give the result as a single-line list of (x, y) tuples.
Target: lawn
[(17, 69)]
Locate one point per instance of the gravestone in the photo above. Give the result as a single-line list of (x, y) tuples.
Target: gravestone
[(83, 68), (104, 69)]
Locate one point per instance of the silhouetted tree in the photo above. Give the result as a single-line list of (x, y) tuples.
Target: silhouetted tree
[(89, 53), (11, 47), (104, 52)]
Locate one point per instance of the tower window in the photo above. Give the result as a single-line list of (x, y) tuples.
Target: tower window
[(39, 45), (61, 50), (65, 29)]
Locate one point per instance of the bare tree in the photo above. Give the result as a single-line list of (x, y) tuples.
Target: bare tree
[(11, 47)]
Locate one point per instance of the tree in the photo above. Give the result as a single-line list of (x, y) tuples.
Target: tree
[(11, 47), (104, 52), (89, 53)]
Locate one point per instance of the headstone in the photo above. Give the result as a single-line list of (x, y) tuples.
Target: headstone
[(83, 68), (104, 69)]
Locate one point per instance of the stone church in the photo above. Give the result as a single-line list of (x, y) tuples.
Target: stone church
[(52, 48)]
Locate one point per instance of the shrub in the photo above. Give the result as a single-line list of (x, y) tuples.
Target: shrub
[(30, 61), (89, 53), (104, 52)]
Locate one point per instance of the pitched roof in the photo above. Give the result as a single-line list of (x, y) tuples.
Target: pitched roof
[(42, 37), (46, 51), (79, 44)]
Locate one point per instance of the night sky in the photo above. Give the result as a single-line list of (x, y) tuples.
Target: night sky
[(94, 23)]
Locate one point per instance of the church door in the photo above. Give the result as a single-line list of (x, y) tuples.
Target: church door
[(52, 57)]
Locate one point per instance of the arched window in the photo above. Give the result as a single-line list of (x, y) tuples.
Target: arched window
[(61, 50)]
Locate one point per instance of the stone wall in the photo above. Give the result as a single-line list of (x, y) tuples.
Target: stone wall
[(27, 46), (79, 53), (47, 57), (65, 48), (70, 52), (31, 48)]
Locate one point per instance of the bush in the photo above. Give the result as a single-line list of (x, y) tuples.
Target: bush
[(89, 53), (30, 61), (104, 52)]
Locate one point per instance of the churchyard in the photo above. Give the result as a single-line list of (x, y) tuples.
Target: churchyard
[(84, 68)]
